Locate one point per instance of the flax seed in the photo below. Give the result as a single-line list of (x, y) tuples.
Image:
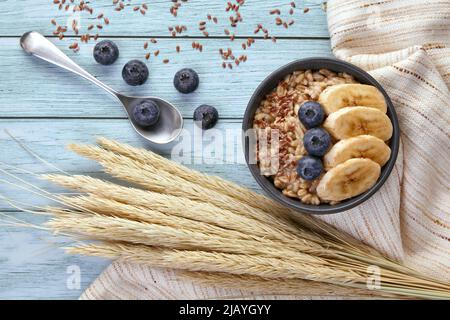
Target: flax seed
[(156, 53), (147, 56), (178, 49), (145, 45), (166, 61)]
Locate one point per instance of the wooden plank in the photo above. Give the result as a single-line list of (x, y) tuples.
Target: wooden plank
[(22, 16), (33, 265), (48, 138), (33, 88)]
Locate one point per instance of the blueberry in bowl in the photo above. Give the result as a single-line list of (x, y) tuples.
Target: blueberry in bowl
[(311, 114), (106, 52), (309, 168), (317, 141), (135, 73)]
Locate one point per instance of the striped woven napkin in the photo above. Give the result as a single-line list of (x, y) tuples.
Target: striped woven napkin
[(405, 45)]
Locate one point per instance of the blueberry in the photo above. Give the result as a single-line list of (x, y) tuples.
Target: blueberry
[(311, 114), (146, 113), (135, 73), (186, 80), (317, 141), (106, 52), (208, 115), (309, 168)]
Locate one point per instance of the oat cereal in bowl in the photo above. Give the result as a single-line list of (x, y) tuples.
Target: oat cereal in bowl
[(324, 137)]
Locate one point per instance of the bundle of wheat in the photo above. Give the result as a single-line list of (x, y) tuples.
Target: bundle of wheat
[(217, 232)]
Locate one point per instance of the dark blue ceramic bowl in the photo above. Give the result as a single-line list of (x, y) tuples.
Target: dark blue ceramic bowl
[(269, 84)]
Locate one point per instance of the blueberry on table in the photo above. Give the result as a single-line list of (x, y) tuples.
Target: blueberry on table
[(186, 80), (317, 141), (208, 116), (311, 114), (106, 52), (135, 73), (309, 168), (146, 113)]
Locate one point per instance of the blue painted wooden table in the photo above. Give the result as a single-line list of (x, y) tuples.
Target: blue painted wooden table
[(46, 107)]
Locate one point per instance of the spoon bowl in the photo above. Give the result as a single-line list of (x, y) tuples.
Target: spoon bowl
[(170, 123), (167, 128)]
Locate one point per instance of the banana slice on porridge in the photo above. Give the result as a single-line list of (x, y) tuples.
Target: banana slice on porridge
[(340, 96), (363, 146), (348, 179), (354, 121)]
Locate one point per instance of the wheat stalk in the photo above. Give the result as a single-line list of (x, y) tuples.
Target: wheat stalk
[(169, 204), (243, 265), (135, 212), (212, 261)]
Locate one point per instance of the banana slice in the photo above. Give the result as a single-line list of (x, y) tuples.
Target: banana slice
[(346, 95), (348, 179), (354, 121), (364, 146)]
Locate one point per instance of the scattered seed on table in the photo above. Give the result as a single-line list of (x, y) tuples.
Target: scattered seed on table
[(165, 61), (145, 45), (147, 56)]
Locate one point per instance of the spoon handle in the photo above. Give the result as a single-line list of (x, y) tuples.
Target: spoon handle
[(36, 44)]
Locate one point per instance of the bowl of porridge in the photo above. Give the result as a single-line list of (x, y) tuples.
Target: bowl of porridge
[(320, 135)]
